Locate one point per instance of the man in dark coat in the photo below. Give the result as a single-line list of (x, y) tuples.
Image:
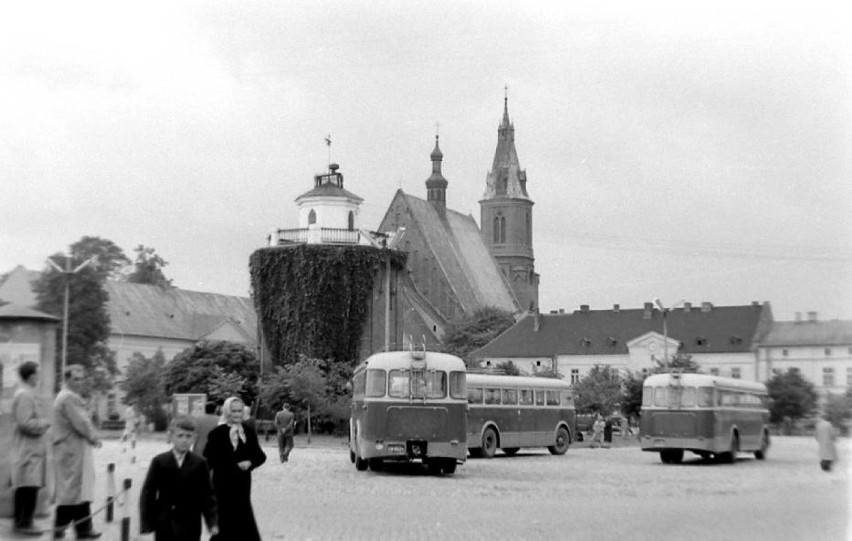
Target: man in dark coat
[(177, 490)]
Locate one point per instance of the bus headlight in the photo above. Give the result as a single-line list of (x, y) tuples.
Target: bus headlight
[(379, 446)]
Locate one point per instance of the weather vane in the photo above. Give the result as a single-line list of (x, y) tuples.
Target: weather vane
[(328, 144)]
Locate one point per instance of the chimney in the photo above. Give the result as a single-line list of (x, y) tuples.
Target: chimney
[(649, 310), (616, 308), (687, 306), (706, 306), (756, 304), (812, 317), (584, 308), (561, 310)]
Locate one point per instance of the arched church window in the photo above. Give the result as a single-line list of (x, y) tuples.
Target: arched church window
[(312, 217), (499, 229), (529, 228), (351, 220), (502, 229)]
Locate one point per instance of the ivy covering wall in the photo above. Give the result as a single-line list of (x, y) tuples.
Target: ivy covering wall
[(314, 298)]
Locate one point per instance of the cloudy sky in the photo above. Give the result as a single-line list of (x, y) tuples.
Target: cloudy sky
[(681, 153)]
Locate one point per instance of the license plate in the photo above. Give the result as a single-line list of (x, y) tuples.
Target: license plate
[(396, 448)]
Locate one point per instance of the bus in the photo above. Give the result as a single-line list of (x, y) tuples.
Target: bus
[(711, 416), (409, 406), (511, 412)]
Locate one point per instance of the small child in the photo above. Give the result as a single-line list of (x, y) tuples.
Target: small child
[(177, 490)]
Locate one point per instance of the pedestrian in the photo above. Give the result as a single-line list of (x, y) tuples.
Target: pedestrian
[(177, 490), (607, 432), (75, 438), (206, 423), (826, 434), (597, 431), (232, 451), (284, 424), (29, 448), (626, 431)]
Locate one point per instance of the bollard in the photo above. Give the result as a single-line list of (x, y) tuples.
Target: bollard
[(125, 519), (110, 509)]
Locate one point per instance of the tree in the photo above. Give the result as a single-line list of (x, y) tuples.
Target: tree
[(194, 369), (599, 391), (509, 368), (225, 384), (149, 268), (302, 383), (838, 409), (110, 260), (791, 396), (88, 319), (143, 385), (469, 333)]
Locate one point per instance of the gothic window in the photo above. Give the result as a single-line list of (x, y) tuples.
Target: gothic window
[(502, 229), (529, 229), (496, 230), (499, 229), (351, 220), (312, 217)]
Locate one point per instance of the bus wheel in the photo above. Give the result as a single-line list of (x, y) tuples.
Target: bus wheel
[(563, 439), (760, 454), (360, 463), (510, 451), (731, 456), (376, 464), (449, 466), (672, 457), (489, 443), (434, 466)]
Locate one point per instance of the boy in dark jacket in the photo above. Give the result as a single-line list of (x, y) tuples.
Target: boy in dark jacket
[(177, 490)]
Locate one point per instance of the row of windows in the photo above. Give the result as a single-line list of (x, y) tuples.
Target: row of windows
[(516, 397), (702, 397), (827, 351), (828, 375), (406, 383)]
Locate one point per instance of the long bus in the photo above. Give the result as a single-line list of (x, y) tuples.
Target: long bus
[(409, 406), (513, 412), (711, 416)]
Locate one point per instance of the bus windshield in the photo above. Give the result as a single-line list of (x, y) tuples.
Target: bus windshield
[(417, 383)]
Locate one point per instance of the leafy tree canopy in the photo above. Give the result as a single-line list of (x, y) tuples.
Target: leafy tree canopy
[(472, 332), (110, 260), (148, 268), (599, 391), (143, 384), (838, 408), (791, 396), (194, 370)]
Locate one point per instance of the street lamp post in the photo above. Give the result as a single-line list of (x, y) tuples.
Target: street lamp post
[(665, 312), (67, 272)]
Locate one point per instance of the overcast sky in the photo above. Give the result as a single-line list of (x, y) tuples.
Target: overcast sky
[(672, 152)]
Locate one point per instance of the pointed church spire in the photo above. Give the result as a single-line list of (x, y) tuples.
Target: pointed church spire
[(506, 123), (436, 185)]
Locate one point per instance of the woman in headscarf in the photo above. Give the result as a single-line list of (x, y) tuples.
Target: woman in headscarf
[(232, 452)]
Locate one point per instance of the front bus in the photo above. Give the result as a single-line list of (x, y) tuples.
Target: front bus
[(710, 416), (409, 405)]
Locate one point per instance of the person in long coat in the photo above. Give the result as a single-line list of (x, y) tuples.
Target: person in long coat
[(232, 452), (825, 435), (206, 423), (29, 448), (607, 431), (597, 431), (74, 439)]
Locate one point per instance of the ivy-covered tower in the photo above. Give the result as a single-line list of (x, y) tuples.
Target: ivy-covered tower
[(506, 216)]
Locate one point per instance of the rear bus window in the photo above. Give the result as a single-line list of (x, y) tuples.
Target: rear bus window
[(474, 395), (660, 396), (492, 396), (525, 397), (552, 398), (375, 383), (510, 396), (457, 385)]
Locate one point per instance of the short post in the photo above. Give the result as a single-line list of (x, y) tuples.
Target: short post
[(110, 509), (125, 519)]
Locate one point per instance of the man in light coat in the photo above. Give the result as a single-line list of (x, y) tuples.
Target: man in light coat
[(74, 439), (29, 448), (825, 435)]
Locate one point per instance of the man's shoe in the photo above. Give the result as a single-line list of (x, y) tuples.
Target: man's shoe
[(59, 534), (90, 535), (28, 530)]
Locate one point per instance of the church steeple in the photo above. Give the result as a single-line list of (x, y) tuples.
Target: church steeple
[(436, 184)]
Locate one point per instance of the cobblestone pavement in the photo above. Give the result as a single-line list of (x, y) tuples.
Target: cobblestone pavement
[(619, 493)]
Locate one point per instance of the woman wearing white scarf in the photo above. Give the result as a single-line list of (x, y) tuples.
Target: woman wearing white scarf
[(232, 451)]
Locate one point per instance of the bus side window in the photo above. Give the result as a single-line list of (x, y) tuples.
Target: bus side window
[(552, 398), (647, 396), (525, 397), (660, 396), (474, 395), (359, 385), (510, 396), (688, 398), (375, 383), (457, 384), (539, 398), (492, 396), (567, 399), (705, 397)]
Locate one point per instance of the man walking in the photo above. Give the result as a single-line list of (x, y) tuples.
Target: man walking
[(29, 448), (74, 439), (284, 424), (825, 435), (206, 423)]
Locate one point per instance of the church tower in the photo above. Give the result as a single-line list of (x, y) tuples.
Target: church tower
[(506, 217)]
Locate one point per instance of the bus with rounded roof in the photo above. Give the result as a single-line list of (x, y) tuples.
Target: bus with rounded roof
[(711, 416), (409, 406)]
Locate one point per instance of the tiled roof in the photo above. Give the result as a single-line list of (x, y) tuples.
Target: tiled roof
[(459, 249), (722, 329), (330, 190), (809, 333), (145, 310), (16, 311)]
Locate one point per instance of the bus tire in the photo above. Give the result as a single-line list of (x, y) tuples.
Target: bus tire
[(731, 456), (449, 466), (360, 463), (489, 443), (563, 440), (510, 451), (672, 457), (376, 464), (434, 466), (760, 454)]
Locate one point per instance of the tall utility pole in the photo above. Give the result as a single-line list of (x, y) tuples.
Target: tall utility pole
[(665, 312), (67, 272)]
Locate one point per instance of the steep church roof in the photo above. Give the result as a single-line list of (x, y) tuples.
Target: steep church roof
[(17, 286), (722, 329), (456, 242), (506, 178)]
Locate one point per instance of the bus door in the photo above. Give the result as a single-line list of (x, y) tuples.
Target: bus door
[(510, 419), (544, 420), (527, 417)]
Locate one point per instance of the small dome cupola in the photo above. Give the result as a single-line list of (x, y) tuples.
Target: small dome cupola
[(436, 184)]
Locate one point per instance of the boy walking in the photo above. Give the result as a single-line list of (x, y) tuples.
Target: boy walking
[(177, 490)]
